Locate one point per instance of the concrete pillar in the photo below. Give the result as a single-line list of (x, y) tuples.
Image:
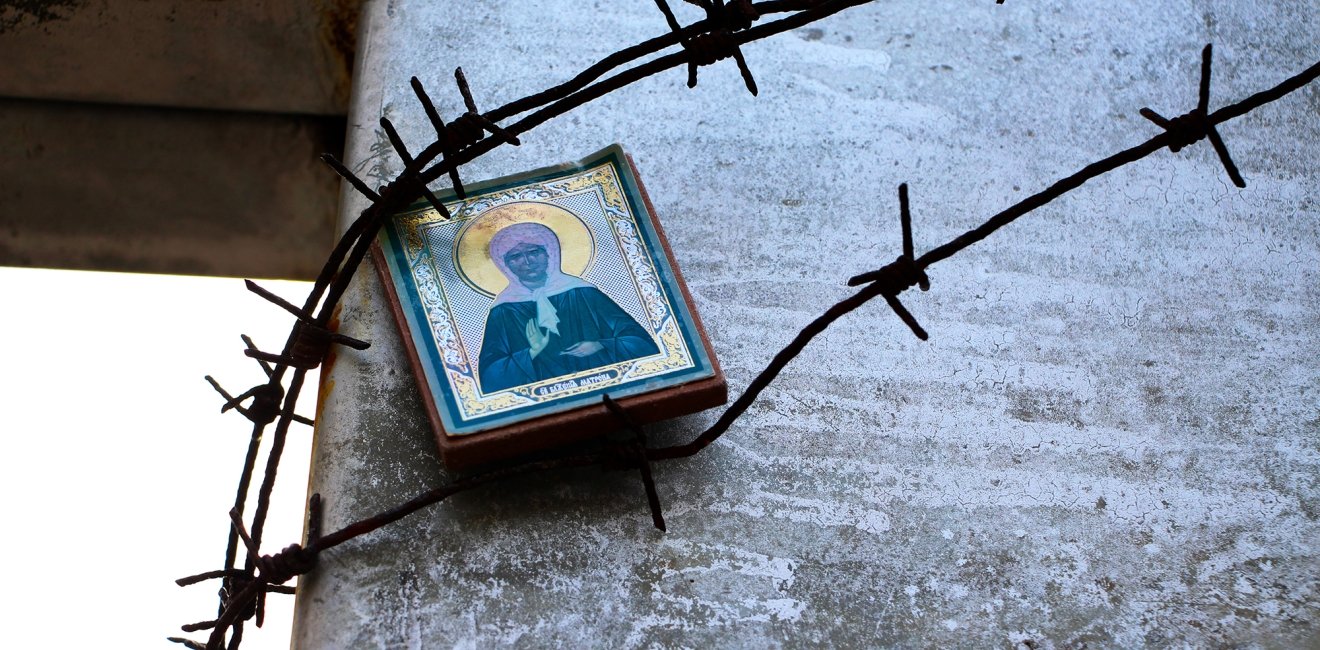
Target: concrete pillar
[(1110, 439)]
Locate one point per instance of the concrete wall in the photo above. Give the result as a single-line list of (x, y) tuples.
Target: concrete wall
[(1110, 440)]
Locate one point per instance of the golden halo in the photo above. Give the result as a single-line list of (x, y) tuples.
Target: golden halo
[(577, 248)]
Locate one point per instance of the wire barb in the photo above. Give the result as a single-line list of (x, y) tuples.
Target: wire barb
[(901, 274), (718, 43), (442, 135), (265, 367), (631, 453), (1195, 125), (274, 299), (476, 117), (311, 340), (311, 344), (352, 179), (408, 163), (314, 514), (266, 401), (256, 412), (465, 131), (245, 592)]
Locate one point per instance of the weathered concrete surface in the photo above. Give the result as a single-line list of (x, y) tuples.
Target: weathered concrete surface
[(285, 56), (127, 188), (107, 164), (1111, 439)]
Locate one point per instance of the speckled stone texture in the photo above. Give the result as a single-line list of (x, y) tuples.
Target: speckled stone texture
[(1112, 438)]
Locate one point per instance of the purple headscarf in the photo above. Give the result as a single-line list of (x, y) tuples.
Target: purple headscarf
[(556, 281)]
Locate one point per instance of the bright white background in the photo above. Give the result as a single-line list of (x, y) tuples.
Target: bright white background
[(118, 468)]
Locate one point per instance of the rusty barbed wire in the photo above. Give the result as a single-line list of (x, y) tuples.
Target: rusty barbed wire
[(726, 27), (453, 146)]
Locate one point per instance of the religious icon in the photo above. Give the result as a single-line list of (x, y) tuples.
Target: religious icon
[(543, 292)]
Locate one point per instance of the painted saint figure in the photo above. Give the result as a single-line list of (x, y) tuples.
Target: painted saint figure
[(548, 323)]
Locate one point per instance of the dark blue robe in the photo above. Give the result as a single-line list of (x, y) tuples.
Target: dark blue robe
[(585, 314)]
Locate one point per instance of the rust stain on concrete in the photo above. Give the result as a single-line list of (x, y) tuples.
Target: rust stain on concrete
[(19, 14), (338, 33)]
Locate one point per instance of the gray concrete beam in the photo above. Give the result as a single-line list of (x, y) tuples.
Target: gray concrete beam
[(113, 188), (1111, 439), (247, 55)]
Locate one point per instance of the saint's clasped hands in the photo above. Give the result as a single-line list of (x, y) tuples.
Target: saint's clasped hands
[(538, 340)]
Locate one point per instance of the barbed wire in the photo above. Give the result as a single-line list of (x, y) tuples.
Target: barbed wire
[(726, 27)]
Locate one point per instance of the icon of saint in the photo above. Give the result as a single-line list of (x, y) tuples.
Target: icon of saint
[(548, 323)]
